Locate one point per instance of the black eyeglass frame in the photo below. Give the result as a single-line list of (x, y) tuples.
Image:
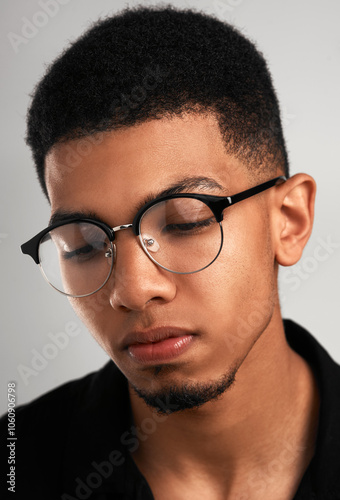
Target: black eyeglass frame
[(217, 205)]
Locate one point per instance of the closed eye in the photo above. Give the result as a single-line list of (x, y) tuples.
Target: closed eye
[(189, 226), (86, 252)]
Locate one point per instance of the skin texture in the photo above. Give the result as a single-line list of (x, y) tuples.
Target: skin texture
[(232, 308)]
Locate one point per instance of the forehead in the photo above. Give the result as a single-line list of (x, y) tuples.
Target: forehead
[(135, 162)]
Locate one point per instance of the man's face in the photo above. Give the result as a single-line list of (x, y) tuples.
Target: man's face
[(216, 315)]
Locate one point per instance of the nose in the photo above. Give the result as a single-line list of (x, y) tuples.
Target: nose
[(136, 280)]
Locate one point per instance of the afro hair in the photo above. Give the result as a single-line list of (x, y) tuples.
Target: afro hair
[(150, 62)]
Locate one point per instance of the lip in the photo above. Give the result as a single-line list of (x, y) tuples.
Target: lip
[(158, 345)]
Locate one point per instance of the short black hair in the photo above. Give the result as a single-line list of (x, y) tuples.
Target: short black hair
[(151, 62)]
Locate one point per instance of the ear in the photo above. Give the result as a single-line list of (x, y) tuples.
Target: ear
[(293, 218)]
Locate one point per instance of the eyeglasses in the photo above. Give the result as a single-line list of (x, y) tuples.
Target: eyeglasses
[(181, 233)]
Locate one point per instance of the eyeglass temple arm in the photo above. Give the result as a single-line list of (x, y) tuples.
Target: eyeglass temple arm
[(255, 190), (231, 200)]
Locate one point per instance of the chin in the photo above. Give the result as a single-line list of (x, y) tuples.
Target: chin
[(173, 398)]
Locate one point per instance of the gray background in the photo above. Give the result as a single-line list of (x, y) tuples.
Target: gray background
[(301, 41)]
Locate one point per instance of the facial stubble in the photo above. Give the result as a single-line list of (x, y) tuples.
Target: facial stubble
[(187, 396)]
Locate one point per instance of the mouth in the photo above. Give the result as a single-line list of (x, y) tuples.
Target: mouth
[(158, 345)]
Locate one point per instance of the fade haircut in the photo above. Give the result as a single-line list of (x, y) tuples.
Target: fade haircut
[(153, 62)]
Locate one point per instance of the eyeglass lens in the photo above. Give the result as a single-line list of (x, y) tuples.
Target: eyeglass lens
[(76, 258), (180, 234)]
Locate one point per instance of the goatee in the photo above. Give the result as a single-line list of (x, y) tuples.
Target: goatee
[(189, 396)]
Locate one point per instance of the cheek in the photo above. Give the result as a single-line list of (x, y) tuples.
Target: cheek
[(93, 311), (240, 284)]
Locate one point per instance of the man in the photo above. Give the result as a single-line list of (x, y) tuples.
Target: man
[(166, 237)]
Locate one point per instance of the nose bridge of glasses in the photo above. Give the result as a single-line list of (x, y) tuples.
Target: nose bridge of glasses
[(148, 241), (128, 226), (115, 230), (121, 227)]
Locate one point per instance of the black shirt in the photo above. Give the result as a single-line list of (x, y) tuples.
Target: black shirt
[(75, 441)]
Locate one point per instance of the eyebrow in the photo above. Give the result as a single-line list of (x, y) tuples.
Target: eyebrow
[(64, 216), (185, 185)]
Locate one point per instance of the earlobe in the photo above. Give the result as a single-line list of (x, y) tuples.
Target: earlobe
[(294, 218)]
